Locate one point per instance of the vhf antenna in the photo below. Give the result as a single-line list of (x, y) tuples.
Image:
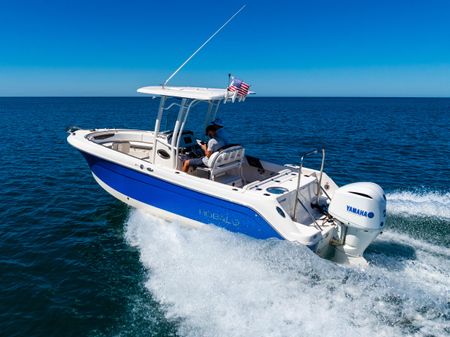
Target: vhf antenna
[(204, 44)]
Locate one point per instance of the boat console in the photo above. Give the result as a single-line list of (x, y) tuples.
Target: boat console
[(188, 144)]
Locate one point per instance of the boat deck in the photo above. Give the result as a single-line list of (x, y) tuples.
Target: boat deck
[(286, 180)]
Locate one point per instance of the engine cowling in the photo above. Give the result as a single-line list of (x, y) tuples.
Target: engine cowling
[(361, 209)]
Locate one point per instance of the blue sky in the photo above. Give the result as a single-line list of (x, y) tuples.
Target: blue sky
[(292, 48)]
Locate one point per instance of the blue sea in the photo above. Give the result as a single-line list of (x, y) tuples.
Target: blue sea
[(76, 262)]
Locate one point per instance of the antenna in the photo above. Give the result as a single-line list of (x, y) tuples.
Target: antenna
[(204, 44)]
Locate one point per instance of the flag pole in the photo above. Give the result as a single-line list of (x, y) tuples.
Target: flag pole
[(204, 44)]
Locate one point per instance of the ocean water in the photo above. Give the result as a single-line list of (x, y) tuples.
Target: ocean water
[(76, 262)]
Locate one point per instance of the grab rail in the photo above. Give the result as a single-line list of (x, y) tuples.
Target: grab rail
[(320, 175), (302, 158)]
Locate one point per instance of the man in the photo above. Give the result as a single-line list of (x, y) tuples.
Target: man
[(220, 133), (214, 144)]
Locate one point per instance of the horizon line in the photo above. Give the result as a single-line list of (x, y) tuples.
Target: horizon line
[(251, 97)]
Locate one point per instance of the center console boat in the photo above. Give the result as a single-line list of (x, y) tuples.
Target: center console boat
[(234, 191)]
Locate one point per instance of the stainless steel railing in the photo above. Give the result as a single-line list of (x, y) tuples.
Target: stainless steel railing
[(302, 158)]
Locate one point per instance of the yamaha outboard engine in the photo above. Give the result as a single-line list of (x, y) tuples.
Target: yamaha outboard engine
[(360, 211)]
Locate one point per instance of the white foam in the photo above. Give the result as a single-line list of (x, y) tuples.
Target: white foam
[(428, 269), (430, 204), (420, 245), (215, 283)]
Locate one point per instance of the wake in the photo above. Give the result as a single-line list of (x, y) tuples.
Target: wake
[(427, 204), (215, 283)]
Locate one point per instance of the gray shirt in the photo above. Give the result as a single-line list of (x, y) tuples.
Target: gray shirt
[(214, 145)]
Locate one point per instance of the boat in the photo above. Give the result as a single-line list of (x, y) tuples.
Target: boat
[(234, 190)]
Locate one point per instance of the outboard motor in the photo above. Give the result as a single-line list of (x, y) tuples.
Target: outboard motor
[(360, 210)]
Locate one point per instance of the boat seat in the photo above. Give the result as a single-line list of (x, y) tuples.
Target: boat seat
[(224, 161)]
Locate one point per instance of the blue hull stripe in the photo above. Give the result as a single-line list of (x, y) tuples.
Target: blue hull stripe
[(180, 200)]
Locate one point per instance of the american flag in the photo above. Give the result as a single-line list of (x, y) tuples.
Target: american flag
[(240, 86)]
